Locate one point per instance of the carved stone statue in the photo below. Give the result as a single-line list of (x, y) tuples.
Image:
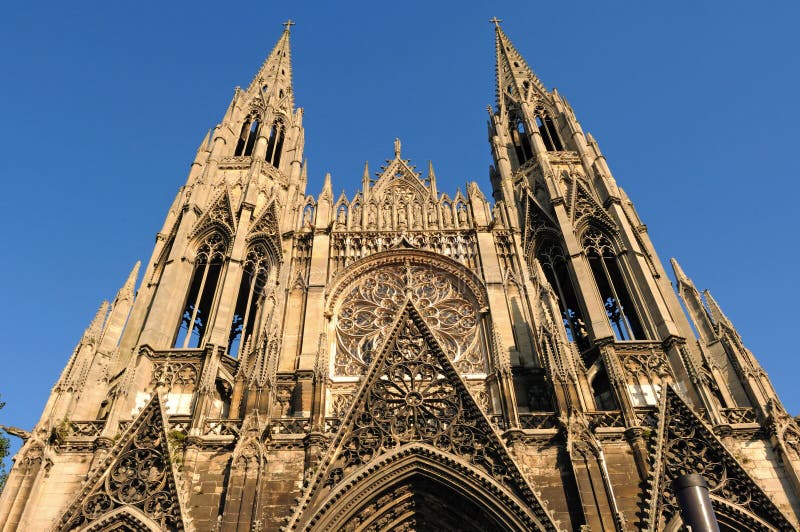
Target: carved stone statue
[(416, 216), (371, 216), (497, 216), (308, 213), (402, 215), (462, 216), (341, 217), (387, 216), (447, 215)]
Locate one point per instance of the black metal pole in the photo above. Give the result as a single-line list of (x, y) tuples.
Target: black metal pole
[(695, 503)]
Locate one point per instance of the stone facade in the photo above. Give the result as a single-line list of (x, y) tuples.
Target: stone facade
[(405, 359)]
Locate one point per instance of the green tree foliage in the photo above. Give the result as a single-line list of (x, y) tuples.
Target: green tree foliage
[(4, 443)]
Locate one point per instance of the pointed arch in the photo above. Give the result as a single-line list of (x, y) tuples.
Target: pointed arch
[(258, 274), (219, 215), (308, 212), (210, 254), (685, 444), (555, 264), (547, 128), (275, 142), (602, 391), (341, 211), (248, 135), (126, 518), (520, 136), (624, 315), (457, 491), (586, 210), (267, 229), (136, 482), (356, 212), (414, 415)]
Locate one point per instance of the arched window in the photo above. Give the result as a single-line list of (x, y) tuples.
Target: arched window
[(275, 144), (519, 137), (620, 309), (369, 307), (547, 129), (202, 290), (554, 263), (253, 287), (248, 137), (603, 394)]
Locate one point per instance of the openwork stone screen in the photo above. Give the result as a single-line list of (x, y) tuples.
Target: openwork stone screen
[(371, 306)]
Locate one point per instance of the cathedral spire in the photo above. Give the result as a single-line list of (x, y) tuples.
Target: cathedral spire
[(274, 79), (120, 309), (512, 72)]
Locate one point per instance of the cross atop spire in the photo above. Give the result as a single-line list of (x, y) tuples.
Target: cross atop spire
[(274, 78), (513, 73), (496, 21)]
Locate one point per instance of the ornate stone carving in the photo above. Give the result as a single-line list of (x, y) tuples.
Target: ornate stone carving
[(172, 374), (219, 214), (413, 394), (686, 445), (372, 304), (348, 247), (586, 207), (138, 472)]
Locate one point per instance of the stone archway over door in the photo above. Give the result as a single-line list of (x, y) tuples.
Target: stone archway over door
[(421, 504)]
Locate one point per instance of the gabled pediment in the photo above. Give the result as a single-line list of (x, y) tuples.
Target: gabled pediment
[(684, 444), (584, 206), (137, 478), (536, 219), (412, 403), (219, 214), (398, 175)]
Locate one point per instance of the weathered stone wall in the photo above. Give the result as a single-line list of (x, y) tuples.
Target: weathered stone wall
[(547, 468), (759, 459), (283, 480)]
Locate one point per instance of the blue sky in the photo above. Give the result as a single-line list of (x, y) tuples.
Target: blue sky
[(104, 103)]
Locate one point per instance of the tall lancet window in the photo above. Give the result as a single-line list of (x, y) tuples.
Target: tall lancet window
[(519, 137), (554, 263), (275, 144), (620, 308), (196, 313), (547, 129), (248, 137), (252, 289)]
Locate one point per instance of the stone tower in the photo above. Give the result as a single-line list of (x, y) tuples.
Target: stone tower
[(405, 359)]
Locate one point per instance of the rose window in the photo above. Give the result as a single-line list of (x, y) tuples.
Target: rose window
[(371, 306)]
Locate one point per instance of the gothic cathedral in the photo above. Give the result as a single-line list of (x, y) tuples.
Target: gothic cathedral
[(406, 359)]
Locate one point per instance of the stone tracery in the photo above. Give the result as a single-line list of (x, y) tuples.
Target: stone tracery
[(370, 306), (140, 477)]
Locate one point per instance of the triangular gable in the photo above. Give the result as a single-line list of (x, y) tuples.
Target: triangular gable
[(412, 400), (397, 173), (138, 472), (266, 223), (220, 214), (586, 206), (684, 444), (536, 219)]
